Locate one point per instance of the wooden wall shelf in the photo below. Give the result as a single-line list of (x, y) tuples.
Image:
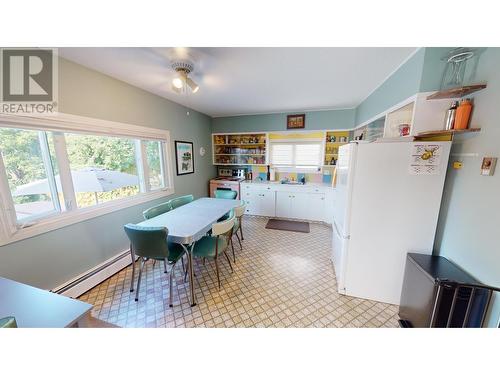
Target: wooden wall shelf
[(444, 133), (457, 92)]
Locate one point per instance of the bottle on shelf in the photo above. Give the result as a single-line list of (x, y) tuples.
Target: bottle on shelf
[(449, 120), (462, 115)]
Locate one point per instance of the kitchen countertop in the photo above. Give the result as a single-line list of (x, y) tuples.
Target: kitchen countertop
[(310, 184)]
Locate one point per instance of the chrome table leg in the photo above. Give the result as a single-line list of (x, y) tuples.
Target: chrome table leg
[(189, 251)]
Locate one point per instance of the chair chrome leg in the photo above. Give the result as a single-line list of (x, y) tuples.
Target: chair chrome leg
[(139, 280), (241, 231), (232, 247), (133, 269), (229, 261), (239, 241), (165, 266), (217, 271), (183, 267), (172, 272)]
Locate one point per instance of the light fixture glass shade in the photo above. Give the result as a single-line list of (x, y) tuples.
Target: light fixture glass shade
[(193, 85), (177, 82)]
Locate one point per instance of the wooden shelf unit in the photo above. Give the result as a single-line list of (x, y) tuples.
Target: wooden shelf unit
[(332, 147), (457, 92), (239, 149)]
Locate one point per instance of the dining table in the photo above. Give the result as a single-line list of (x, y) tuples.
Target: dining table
[(37, 308), (187, 224)]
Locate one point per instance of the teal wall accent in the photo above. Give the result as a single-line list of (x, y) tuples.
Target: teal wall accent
[(315, 120), (53, 258), (469, 222), (433, 68), (403, 83)]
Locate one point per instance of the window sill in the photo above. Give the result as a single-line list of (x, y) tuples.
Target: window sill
[(64, 219)]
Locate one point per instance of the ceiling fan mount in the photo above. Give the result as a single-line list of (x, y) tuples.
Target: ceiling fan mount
[(183, 66)]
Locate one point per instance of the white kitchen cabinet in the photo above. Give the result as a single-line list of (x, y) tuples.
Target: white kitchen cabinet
[(283, 204), (316, 207), (259, 200), (300, 205), (266, 203), (292, 202)]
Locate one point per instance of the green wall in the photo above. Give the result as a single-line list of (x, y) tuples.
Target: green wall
[(468, 231), (403, 83), (51, 259), (315, 120)]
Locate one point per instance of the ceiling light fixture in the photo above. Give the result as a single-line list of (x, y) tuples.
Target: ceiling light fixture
[(192, 85), (181, 81)]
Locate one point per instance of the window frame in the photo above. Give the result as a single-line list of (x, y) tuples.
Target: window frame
[(10, 228), (293, 167)]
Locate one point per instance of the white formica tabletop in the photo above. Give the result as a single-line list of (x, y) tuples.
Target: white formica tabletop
[(188, 223), (37, 308)]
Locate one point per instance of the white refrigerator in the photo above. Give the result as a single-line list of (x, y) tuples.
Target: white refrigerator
[(387, 201)]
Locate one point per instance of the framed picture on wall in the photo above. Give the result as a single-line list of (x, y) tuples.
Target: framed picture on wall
[(296, 121), (184, 157)]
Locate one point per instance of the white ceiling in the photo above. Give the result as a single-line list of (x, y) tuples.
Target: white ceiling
[(236, 81)]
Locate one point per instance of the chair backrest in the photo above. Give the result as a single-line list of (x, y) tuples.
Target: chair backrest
[(239, 211), (157, 210), (148, 242), (181, 201), (224, 227), (225, 194), (8, 322)]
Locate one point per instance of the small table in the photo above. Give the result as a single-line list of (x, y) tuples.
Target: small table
[(37, 308), (187, 224)]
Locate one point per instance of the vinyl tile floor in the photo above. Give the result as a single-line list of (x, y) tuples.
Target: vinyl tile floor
[(280, 279)]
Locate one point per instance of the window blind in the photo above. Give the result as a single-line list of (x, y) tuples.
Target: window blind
[(297, 154)]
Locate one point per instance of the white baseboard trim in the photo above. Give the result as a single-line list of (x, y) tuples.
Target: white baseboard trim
[(96, 275)]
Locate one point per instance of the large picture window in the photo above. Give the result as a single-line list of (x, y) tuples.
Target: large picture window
[(29, 167), (54, 173), (102, 168)]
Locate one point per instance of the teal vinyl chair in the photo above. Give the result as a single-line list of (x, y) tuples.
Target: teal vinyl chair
[(181, 201), (213, 246), (151, 243), (8, 322), (157, 210), (225, 194)]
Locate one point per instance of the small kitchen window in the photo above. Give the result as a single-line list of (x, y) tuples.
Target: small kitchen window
[(296, 156)]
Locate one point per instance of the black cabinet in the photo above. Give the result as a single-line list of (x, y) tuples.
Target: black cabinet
[(437, 293)]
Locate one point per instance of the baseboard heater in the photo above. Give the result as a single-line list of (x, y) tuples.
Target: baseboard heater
[(89, 279)]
